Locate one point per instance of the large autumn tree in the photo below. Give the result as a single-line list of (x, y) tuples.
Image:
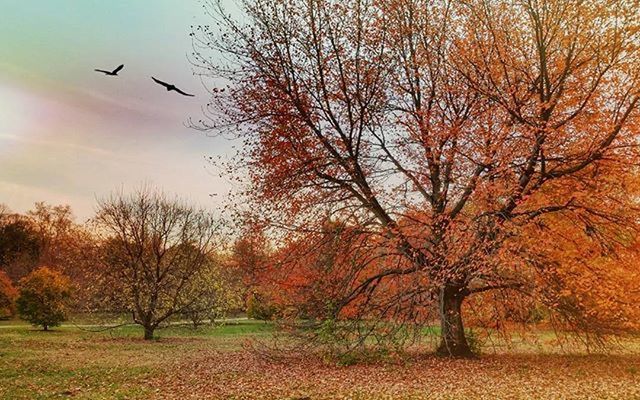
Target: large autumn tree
[(466, 139)]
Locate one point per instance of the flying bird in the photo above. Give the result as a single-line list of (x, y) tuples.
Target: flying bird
[(171, 87), (112, 73)]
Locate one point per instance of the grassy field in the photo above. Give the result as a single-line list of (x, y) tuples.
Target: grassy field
[(214, 363)]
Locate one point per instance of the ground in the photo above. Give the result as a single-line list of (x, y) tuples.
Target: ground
[(217, 363)]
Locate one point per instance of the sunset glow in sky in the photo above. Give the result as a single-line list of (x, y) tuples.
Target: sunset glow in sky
[(69, 135)]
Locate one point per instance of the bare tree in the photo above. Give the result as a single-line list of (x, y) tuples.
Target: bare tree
[(154, 250)]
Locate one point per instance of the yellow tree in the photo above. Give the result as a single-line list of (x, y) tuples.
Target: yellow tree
[(44, 297)]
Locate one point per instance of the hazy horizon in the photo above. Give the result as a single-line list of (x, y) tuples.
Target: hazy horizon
[(69, 134)]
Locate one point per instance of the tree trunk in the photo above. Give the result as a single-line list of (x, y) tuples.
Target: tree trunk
[(148, 332), (45, 327), (453, 342)]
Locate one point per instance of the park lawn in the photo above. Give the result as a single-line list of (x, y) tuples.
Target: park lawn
[(216, 363), (74, 362)]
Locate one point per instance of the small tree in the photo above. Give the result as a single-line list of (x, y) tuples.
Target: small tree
[(8, 294), (211, 294), (43, 297), (260, 308), (155, 251)]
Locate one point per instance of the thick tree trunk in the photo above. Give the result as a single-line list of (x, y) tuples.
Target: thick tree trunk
[(45, 327), (148, 332), (453, 342)]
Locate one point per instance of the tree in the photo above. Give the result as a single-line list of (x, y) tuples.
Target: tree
[(63, 243), (249, 257), (8, 295), (453, 134), (155, 253), (215, 293), (46, 235), (19, 246), (251, 261), (260, 307), (43, 297), (303, 276)]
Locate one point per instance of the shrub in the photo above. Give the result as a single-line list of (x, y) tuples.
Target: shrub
[(43, 297), (258, 307)]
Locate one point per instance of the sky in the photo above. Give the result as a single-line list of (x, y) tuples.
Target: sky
[(70, 135)]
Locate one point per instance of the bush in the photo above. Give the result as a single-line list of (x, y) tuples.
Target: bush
[(8, 294), (259, 308), (43, 298)]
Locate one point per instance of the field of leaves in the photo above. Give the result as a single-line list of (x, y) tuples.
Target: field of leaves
[(213, 363)]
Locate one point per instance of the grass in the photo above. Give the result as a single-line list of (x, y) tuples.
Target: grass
[(73, 362), (212, 362)]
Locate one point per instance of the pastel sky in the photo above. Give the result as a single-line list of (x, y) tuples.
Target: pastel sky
[(69, 135)]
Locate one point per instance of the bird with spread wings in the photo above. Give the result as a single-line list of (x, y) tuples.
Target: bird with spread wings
[(171, 87), (112, 73)]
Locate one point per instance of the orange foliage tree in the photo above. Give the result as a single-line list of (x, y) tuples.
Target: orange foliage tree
[(476, 147), (45, 235), (8, 294), (44, 297), (248, 263)]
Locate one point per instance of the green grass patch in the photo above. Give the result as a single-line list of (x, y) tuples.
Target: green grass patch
[(76, 362)]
